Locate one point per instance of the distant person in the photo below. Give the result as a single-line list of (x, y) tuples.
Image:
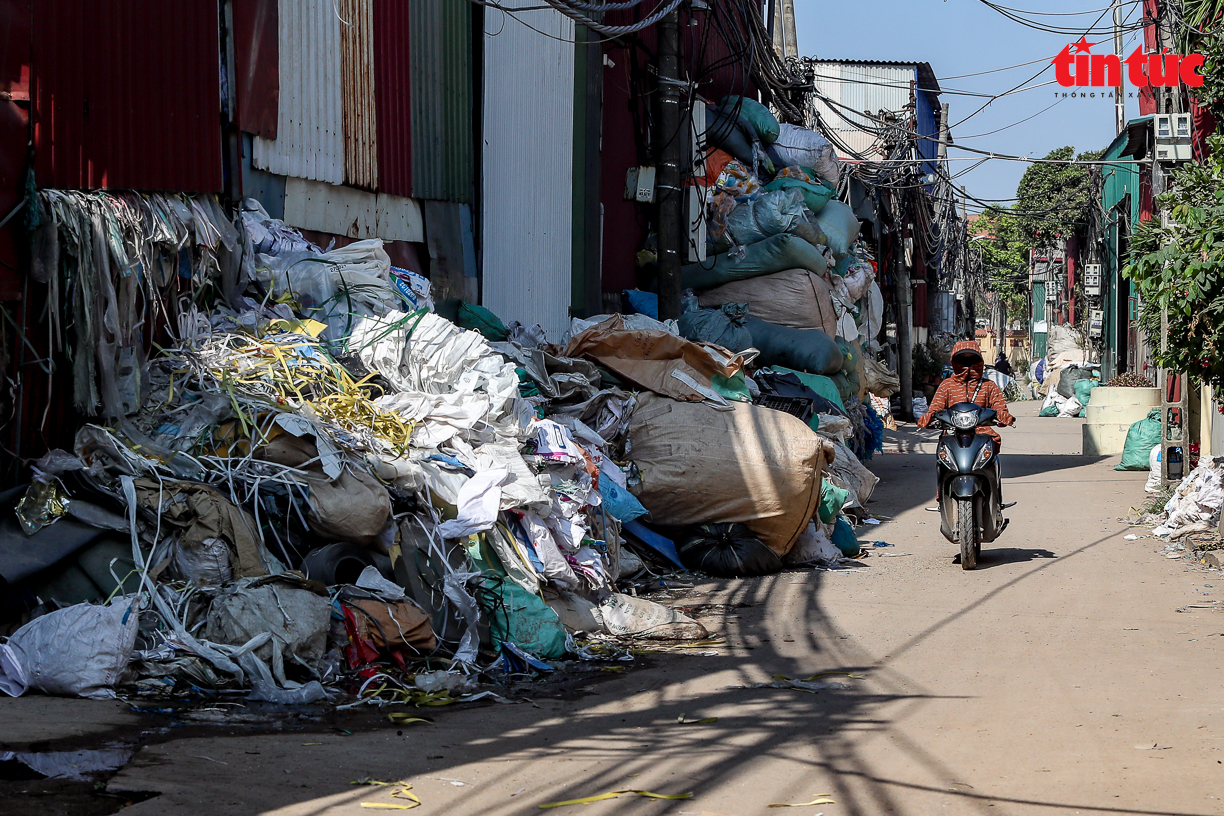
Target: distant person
[(1002, 364)]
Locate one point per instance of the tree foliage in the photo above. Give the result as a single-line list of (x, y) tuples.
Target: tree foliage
[(1054, 198), (1005, 258), (1179, 267)]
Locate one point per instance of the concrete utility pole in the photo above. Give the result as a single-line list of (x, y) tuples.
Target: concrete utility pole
[(965, 253), (1119, 96), (669, 141), (905, 326), (785, 38)]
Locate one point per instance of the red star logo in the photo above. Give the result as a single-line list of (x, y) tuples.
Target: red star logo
[(1083, 46)]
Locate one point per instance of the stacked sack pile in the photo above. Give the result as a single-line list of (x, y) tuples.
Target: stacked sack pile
[(788, 278), (322, 487)]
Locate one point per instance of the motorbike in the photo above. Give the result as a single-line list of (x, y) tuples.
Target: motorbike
[(970, 501)]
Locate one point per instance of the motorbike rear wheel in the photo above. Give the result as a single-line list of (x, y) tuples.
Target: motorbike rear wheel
[(967, 533)]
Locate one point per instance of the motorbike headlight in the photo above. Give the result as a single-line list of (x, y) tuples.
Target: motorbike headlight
[(964, 420), (983, 457), (945, 458)]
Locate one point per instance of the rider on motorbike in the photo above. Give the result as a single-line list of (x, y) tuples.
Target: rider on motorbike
[(968, 385)]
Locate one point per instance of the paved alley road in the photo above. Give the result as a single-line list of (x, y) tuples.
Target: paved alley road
[(1059, 677)]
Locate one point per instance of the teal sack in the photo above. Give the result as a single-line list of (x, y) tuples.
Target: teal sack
[(1051, 411), (840, 226), (516, 615), (832, 498), (1083, 393), (480, 319), (805, 349), (815, 196), (755, 114), (776, 253), (844, 538), (822, 385), (1140, 439)]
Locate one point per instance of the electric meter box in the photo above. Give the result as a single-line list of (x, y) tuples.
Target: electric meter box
[(1173, 137), (1092, 280), (1096, 320)]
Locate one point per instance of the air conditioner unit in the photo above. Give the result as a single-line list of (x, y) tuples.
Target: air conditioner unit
[(1092, 280), (1174, 137), (1096, 320)]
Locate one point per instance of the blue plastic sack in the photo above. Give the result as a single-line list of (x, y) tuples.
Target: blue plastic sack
[(620, 503), (646, 303)]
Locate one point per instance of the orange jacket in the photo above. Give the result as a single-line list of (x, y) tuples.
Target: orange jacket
[(961, 388)]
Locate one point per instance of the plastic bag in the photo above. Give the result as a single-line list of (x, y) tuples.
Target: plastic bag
[(737, 179), (1140, 439), (832, 499), (764, 123), (413, 288), (773, 254), (1154, 478), (79, 651), (771, 213), (813, 547), (815, 195), (207, 563), (478, 318), (1083, 390), (808, 350), (806, 148), (724, 326), (336, 288), (730, 133), (844, 538), (726, 551), (840, 226), (638, 617)]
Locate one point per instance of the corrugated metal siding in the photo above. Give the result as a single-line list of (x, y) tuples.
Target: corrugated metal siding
[(440, 53), (256, 65), (860, 88), (310, 123), (526, 194), (127, 94), (357, 94), (392, 94)]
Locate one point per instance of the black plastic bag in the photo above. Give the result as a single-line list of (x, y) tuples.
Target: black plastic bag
[(726, 551)]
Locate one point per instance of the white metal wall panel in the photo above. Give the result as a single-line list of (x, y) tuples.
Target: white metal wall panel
[(858, 88), (310, 128), (527, 200), (315, 205)]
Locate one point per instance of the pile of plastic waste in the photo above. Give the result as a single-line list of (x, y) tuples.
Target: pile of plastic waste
[(323, 489)]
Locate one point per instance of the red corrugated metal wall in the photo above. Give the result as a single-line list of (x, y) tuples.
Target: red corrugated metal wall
[(14, 134), (257, 65), (391, 95), (127, 94)]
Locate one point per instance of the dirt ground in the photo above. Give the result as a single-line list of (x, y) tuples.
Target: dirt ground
[(1073, 672)]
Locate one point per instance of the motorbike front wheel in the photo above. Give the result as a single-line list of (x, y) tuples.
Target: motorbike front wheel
[(967, 533)]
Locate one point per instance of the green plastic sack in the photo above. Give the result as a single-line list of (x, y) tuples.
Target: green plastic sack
[(815, 196), (822, 385), (1049, 411), (832, 498), (844, 538), (482, 320), (1083, 393), (754, 113), (840, 226), (733, 388), (844, 389), (805, 349), (1140, 439), (775, 254), (519, 616)]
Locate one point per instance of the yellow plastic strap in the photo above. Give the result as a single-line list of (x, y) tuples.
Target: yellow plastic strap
[(821, 799), (586, 800)]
